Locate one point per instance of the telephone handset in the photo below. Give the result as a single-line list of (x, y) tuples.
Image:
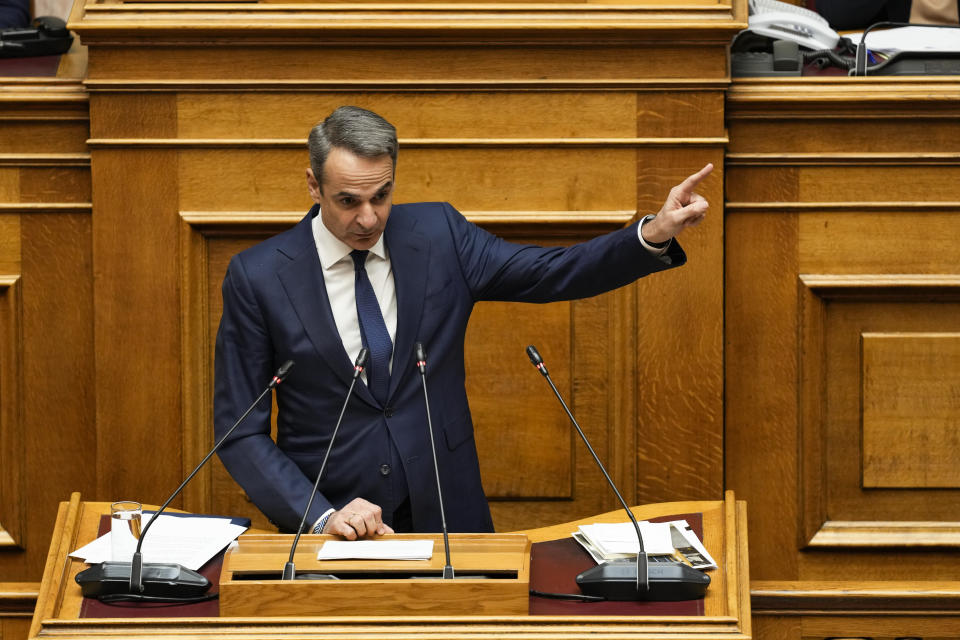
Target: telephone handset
[(784, 21), (46, 35)]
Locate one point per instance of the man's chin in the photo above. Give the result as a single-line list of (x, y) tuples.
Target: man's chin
[(364, 243)]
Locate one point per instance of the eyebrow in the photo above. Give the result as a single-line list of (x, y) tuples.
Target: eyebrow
[(386, 185)]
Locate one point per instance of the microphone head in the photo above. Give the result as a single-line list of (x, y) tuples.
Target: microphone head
[(418, 351), (362, 357), (534, 356), (284, 370)]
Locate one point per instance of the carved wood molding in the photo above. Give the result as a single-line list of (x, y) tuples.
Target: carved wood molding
[(11, 412), (852, 598), (866, 98), (267, 23), (18, 599), (44, 159), (839, 207), (815, 291), (574, 224), (413, 86), (412, 143), (886, 534), (841, 159), (25, 208)]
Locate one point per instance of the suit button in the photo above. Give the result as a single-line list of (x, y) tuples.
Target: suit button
[(384, 470), (388, 412)]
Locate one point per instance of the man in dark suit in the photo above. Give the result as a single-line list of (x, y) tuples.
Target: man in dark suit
[(14, 13), (860, 14), (360, 271)]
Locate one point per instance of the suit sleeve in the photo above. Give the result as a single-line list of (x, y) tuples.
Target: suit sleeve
[(499, 270), (244, 365)]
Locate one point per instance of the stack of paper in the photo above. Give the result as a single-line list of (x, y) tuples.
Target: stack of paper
[(185, 540), (662, 541)]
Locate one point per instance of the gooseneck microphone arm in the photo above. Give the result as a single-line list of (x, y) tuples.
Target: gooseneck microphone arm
[(289, 569), (136, 564), (642, 569), (422, 367)]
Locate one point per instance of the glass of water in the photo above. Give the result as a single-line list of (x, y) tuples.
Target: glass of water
[(125, 519)]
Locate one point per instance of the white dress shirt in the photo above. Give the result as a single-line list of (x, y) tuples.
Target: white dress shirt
[(338, 277)]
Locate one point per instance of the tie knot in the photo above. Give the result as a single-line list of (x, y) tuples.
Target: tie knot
[(359, 258)]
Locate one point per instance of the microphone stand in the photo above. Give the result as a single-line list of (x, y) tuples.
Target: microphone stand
[(136, 564), (289, 569), (664, 581), (422, 367), (643, 571)]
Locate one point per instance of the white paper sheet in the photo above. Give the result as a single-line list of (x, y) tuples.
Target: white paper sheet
[(187, 541), (376, 550), (935, 39), (621, 537)]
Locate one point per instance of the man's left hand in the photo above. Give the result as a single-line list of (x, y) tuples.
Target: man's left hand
[(684, 208)]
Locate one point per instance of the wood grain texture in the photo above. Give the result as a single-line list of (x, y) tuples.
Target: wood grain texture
[(12, 505), (726, 615), (137, 305), (761, 350), (57, 391), (819, 259), (45, 303), (680, 411), (499, 564), (910, 410)]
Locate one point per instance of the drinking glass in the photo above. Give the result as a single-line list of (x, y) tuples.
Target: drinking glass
[(125, 519)]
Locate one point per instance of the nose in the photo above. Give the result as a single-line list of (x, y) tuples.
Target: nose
[(367, 216)]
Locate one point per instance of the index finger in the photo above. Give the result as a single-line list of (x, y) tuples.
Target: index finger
[(692, 181)]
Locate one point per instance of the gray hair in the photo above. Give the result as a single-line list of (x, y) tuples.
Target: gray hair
[(357, 130)]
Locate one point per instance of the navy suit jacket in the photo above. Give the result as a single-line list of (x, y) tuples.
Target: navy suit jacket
[(275, 308)]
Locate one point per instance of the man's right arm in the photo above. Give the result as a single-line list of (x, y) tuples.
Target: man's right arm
[(244, 363)]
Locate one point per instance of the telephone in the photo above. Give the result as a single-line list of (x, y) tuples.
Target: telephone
[(46, 36), (784, 21)]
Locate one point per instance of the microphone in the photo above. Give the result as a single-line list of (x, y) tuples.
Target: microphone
[(161, 581), (289, 569), (630, 579), (422, 367)]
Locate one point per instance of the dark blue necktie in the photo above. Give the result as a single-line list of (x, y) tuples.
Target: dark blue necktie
[(373, 330)]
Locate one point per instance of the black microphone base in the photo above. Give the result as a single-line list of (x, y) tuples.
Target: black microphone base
[(159, 580), (668, 582)]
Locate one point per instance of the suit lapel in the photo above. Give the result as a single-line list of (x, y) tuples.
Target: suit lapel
[(302, 280), (409, 255)]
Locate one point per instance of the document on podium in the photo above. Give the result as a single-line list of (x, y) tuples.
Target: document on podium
[(189, 541), (376, 550), (926, 39)]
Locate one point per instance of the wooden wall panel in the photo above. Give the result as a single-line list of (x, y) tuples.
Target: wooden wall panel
[(545, 124), (11, 411), (430, 112), (910, 410), (821, 261), (679, 417), (46, 342), (483, 58), (138, 304), (760, 372)]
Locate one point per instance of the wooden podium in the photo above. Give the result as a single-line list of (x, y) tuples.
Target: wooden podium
[(725, 610), (492, 578)]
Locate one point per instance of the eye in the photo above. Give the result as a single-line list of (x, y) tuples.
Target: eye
[(346, 202)]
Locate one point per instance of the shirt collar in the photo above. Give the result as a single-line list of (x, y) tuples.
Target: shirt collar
[(332, 250)]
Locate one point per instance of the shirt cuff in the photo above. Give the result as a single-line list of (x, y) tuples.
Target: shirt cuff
[(655, 248), (321, 522)]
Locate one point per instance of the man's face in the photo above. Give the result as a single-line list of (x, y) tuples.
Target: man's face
[(356, 196)]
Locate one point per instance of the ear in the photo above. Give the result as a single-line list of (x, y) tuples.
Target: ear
[(313, 186)]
